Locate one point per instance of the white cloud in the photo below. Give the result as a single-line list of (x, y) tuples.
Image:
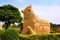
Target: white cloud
[(51, 13)]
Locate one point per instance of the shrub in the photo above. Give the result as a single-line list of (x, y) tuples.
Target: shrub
[(10, 34), (58, 36), (40, 37), (1, 33)]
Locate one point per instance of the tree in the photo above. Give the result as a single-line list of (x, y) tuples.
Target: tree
[(10, 14), (14, 25), (54, 25)]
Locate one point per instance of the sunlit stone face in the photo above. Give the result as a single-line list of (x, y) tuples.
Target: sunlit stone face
[(36, 25), (1, 26)]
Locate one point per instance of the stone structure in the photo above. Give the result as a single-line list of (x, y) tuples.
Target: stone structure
[(1, 26), (32, 24)]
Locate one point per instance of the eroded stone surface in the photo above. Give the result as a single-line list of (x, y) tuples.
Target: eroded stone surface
[(33, 23), (1, 26)]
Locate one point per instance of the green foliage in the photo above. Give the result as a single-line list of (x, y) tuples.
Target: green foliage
[(10, 34), (41, 37), (54, 25), (10, 14), (14, 25), (55, 28), (1, 31)]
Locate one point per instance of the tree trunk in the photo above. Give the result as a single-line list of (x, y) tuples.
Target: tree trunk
[(7, 25)]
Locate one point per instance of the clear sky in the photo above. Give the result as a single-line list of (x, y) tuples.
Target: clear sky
[(46, 9)]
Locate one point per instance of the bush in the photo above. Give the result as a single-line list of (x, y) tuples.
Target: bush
[(1, 33), (10, 34), (41, 37)]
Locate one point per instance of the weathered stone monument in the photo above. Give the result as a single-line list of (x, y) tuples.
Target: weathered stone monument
[(32, 24), (1, 26)]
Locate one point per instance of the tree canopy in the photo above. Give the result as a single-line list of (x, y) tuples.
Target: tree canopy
[(10, 14)]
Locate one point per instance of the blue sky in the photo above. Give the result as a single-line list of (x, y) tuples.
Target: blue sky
[(22, 3), (45, 9)]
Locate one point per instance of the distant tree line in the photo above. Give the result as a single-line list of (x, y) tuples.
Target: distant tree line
[(54, 25), (55, 28)]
